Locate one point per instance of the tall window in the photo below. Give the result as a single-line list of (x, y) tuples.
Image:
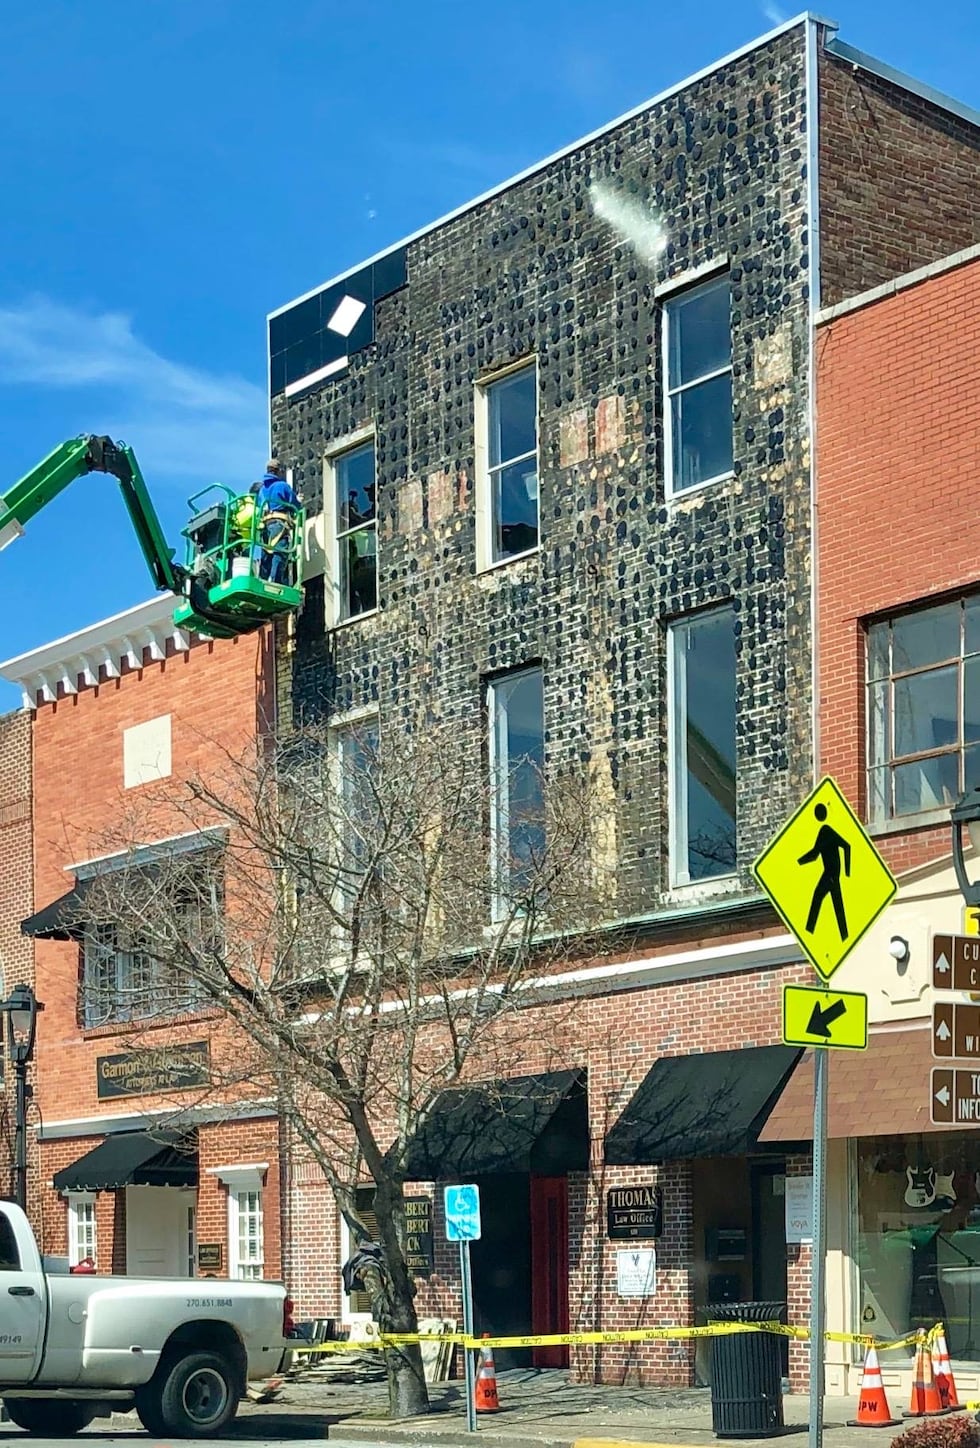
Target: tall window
[(127, 985), (81, 1227), (516, 709), (923, 709), (356, 531), (698, 371), (702, 747), (508, 464), (356, 763), (246, 1244)]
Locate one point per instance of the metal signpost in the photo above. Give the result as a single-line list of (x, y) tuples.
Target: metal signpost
[(462, 1211), (828, 883)]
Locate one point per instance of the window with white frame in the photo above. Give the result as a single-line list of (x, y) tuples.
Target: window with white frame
[(352, 477), (698, 373), (702, 764), (517, 822), (507, 465), (923, 683), (246, 1241), (81, 1227)]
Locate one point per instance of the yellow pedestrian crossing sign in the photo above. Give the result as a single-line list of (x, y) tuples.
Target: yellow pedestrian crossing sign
[(825, 1018), (825, 877)]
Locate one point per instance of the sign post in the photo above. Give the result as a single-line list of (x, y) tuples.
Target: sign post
[(829, 884), (462, 1211)]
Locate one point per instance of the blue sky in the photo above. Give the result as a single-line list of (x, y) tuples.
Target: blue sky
[(173, 170)]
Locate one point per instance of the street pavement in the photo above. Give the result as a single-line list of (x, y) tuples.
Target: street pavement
[(538, 1410)]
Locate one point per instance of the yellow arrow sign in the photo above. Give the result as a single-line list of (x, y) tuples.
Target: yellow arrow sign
[(825, 1018), (825, 877)]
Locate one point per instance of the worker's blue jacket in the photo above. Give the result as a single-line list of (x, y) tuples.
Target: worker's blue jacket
[(276, 496)]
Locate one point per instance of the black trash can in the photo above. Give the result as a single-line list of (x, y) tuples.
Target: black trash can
[(746, 1372)]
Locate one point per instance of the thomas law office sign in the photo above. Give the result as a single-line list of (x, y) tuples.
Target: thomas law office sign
[(634, 1212), (139, 1073)]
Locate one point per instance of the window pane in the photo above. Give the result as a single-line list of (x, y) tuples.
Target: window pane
[(700, 333), (515, 509), (879, 805), (359, 572), (971, 625), (925, 711), (927, 784), (354, 472), (926, 638), (971, 700), (878, 639), (513, 416), (702, 432), (708, 708), (518, 721), (971, 767), (878, 734)]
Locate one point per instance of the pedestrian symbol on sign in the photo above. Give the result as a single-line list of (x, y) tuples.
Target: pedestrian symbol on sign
[(829, 908), (832, 851)]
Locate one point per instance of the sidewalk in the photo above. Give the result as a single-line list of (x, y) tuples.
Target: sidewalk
[(541, 1409)]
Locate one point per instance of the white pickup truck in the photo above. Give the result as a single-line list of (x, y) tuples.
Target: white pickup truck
[(74, 1347)]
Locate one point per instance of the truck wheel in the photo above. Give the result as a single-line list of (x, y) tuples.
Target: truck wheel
[(199, 1395), (49, 1417)]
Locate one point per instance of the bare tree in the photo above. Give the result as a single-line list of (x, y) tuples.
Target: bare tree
[(372, 915)]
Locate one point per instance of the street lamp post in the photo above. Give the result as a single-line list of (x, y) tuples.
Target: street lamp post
[(21, 1010), (966, 811)]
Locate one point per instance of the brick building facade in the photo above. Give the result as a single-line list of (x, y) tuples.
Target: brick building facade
[(16, 892), (898, 421), (140, 1166), (557, 450)]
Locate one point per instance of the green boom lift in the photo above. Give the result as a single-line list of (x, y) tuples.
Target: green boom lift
[(217, 584)]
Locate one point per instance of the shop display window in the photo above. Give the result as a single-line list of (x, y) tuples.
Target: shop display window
[(918, 1236)]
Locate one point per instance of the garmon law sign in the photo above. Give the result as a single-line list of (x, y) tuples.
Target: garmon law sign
[(138, 1073)]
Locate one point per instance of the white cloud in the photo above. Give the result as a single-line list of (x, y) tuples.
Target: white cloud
[(773, 13), (183, 422)]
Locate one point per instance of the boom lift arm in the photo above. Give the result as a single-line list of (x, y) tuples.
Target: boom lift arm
[(72, 460), (221, 592)]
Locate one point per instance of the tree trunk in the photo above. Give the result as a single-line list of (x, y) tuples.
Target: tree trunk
[(394, 1311)]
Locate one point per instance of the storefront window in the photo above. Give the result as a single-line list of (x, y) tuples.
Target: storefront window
[(918, 1238)]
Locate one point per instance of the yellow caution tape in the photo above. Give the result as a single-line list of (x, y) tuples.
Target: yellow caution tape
[(636, 1334)]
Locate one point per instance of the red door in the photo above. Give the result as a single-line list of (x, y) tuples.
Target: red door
[(549, 1266)]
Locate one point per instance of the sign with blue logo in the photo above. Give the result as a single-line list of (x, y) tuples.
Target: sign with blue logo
[(462, 1206)]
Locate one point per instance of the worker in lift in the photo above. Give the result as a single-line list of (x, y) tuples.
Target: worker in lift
[(277, 506)]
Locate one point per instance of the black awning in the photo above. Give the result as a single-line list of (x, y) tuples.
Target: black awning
[(527, 1123), (63, 919), (709, 1105), (133, 1159)]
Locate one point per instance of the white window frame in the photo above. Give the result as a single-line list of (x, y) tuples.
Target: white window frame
[(337, 729), (669, 305), (500, 782), (678, 841), (483, 481), (82, 1242), (335, 616), (244, 1181)]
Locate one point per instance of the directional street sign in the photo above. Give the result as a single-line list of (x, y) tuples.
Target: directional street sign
[(825, 1018), (956, 962), (956, 1030), (462, 1207), (955, 1097), (825, 877)]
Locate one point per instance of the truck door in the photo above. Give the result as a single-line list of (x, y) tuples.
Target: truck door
[(22, 1308)]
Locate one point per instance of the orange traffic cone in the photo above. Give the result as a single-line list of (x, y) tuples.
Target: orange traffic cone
[(926, 1402), (943, 1372), (873, 1410), (485, 1398)]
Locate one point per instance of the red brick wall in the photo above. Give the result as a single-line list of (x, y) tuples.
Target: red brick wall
[(897, 458), (898, 181), (16, 893), (216, 695)]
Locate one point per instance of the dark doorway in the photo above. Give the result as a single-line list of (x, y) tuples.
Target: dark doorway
[(549, 1266), (501, 1264), (768, 1181)]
